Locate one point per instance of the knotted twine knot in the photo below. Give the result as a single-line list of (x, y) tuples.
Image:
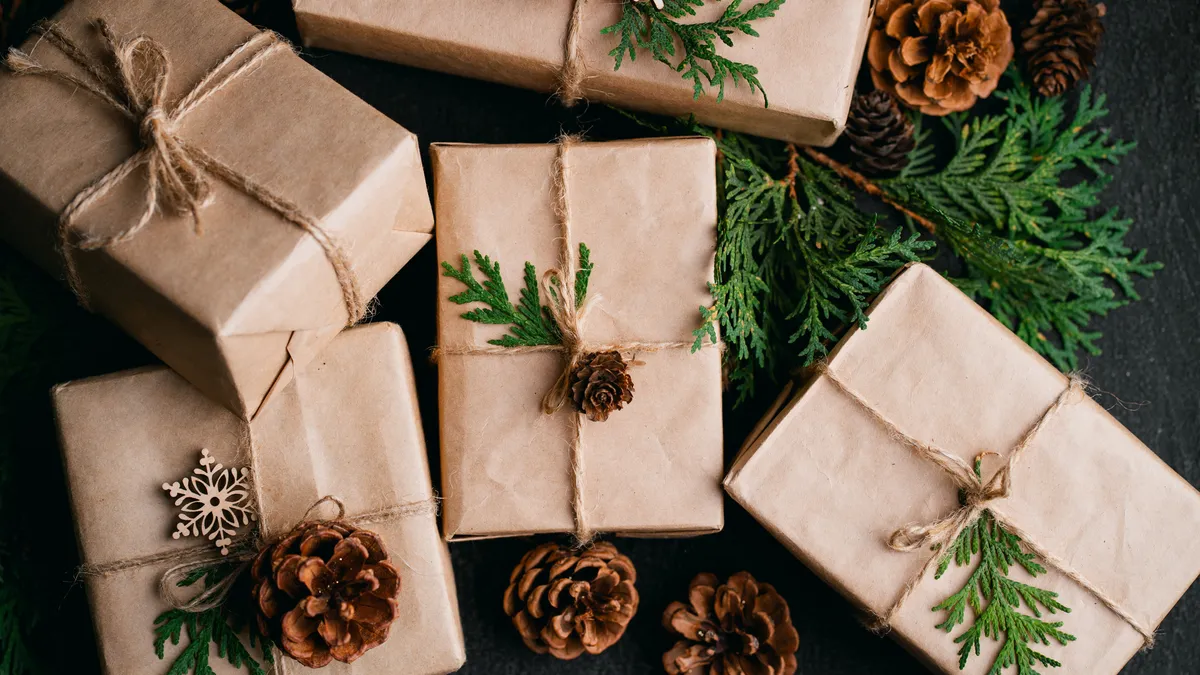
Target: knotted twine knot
[(132, 77), (976, 495)]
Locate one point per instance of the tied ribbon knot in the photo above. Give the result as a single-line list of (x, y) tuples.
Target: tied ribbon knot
[(132, 77), (977, 495)]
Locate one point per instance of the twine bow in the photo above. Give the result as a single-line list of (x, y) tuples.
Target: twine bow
[(976, 496), (132, 78)]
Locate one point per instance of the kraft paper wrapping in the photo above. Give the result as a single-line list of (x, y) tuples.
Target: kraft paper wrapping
[(831, 484), (236, 308), (647, 210), (807, 56), (347, 425)]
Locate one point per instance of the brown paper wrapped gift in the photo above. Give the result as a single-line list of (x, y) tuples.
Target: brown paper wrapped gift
[(647, 211), (807, 55), (346, 426), (300, 174), (828, 477)]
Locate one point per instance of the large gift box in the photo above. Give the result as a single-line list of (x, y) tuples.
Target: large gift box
[(807, 55), (219, 199), (346, 427), (641, 217), (936, 462)]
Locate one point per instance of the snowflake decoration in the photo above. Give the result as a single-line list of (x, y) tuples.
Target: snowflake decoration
[(212, 501)]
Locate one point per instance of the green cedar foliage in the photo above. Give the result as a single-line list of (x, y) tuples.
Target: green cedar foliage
[(798, 258), (995, 600), (1035, 253), (212, 627), (643, 26), (529, 322)]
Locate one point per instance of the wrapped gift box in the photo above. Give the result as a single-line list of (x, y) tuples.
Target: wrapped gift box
[(647, 212), (833, 484), (807, 55), (346, 426), (235, 307)]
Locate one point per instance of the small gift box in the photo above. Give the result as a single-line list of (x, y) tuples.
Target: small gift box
[(806, 55), (936, 462), (146, 454), (223, 202), (582, 403)]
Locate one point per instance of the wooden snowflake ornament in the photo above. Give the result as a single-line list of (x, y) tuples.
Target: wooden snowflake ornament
[(213, 503)]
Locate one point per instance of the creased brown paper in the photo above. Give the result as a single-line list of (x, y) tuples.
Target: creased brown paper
[(347, 426), (807, 55), (830, 483), (647, 211), (236, 308)]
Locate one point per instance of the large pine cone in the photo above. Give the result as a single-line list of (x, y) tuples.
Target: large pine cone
[(569, 602), (740, 627), (880, 134), (1060, 43), (324, 592), (600, 385), (939, 56)]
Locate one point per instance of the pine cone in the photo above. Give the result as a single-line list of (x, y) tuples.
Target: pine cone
[(740, 627), (325, 591), (1060, 43), (939, 56), (600, 385), (880, 134), (569, 602)]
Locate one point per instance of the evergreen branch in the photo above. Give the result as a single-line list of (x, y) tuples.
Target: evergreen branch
[(995, 600), (644, 27), (211, 627), (529, 322)]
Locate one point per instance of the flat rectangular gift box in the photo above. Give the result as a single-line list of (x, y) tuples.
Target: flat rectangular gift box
[(235, 307), (832, 484), (807, 55), (347, 425), (647, 211)]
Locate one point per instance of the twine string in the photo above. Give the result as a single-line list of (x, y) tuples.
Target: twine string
[(570, 78), (941, 533), (132, 78)]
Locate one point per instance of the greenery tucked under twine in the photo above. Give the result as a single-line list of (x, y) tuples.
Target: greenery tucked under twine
[(217, 627), (1013, 207), (645, 26), (995, 599)]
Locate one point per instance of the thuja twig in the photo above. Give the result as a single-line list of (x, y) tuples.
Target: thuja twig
[(866, 185)]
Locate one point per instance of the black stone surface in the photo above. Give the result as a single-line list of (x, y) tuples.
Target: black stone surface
[(1152, 357)]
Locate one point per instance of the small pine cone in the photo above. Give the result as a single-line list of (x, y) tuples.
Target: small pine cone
[(325, 592), (740, 627), (600, 385), (1060, 43), (567, 602), (880, 134), (939, 56)]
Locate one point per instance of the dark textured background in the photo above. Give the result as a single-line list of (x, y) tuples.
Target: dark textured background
[(1151, 359)]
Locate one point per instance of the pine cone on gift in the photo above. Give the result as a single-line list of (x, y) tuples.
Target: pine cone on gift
[(600, 385), (1060, 43), (325, 592), (879, 133), (567, 602), (939, 56), (740, 627)]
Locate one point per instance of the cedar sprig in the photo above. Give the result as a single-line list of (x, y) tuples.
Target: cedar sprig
[(995, 600), (643, 26), (529, 322), (210, 627)]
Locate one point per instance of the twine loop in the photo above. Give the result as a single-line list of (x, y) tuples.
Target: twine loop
[(132, 77)]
